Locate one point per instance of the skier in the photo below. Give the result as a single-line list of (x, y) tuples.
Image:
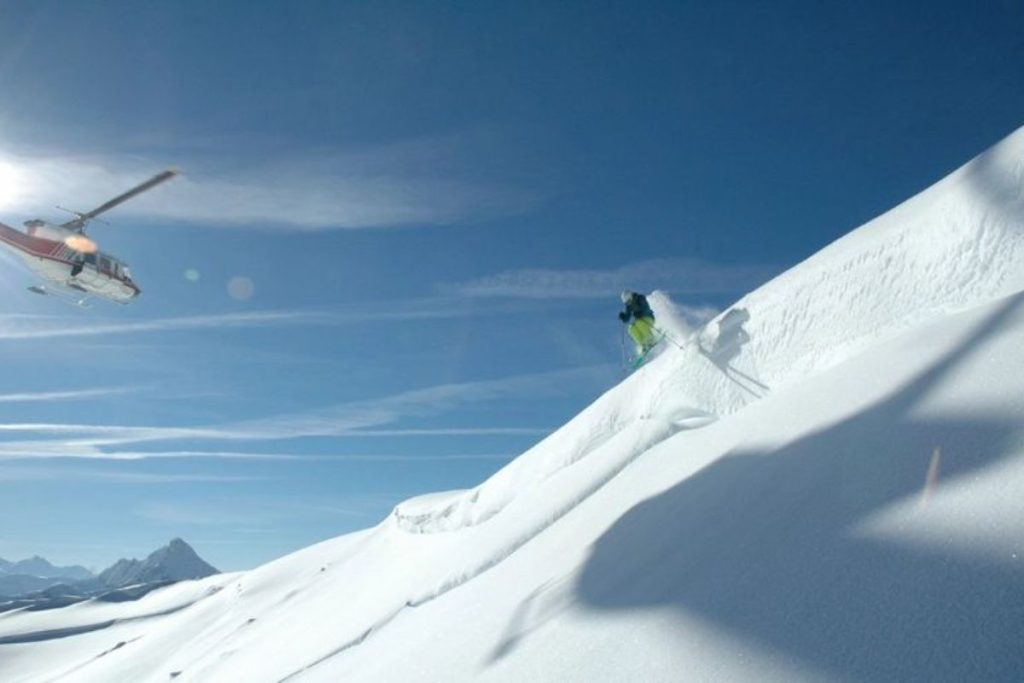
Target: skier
[(642, 327)]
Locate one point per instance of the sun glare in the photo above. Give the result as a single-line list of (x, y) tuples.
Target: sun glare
[(10, 185), (80, 243)]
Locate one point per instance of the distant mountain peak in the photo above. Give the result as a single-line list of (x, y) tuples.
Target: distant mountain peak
[(176, 561), (40, 567)]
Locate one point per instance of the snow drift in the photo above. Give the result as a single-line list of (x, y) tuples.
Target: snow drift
[(823, 483)]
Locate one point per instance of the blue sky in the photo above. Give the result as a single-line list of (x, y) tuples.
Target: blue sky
[(427, 211)]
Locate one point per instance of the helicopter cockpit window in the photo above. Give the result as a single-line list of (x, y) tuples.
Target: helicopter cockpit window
[(105, 264), (90, 259)]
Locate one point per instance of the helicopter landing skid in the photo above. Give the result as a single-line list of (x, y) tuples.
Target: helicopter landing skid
[(63, 297)]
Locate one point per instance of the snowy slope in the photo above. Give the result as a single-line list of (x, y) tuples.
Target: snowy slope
[(825, 483)]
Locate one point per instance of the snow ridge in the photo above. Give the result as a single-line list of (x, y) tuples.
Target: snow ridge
[(958, 244)]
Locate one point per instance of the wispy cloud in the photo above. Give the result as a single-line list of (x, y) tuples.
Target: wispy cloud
[(454, 431), (91, 450), (260, 511), (98, 449), (69, 395), (206, 514), (397, 184), (10, 473), (349, 418), (679, 276), (369, 418), (49, 327), (125, 433), (19, 327)]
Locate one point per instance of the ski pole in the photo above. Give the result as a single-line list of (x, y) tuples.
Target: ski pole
[(668, 336), (625, 354)]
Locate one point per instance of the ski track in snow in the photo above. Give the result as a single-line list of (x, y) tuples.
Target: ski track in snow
[(955, 247)]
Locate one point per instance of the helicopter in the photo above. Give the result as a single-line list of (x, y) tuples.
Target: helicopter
[(70, 261)]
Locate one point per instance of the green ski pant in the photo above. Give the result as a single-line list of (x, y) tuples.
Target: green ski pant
[(642, 332)]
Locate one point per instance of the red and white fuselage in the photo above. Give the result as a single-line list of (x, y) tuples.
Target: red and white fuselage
[(44, 249)]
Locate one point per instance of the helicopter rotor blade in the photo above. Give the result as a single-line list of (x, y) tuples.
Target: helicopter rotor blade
[(83, 218)]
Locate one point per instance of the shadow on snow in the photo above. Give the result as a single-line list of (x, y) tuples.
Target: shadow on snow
[(760, 543)]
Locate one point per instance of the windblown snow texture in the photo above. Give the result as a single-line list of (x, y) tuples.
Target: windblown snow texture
[(824, 483)]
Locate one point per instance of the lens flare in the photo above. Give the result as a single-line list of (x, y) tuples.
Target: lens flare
[(80, 243), (241, 288)]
